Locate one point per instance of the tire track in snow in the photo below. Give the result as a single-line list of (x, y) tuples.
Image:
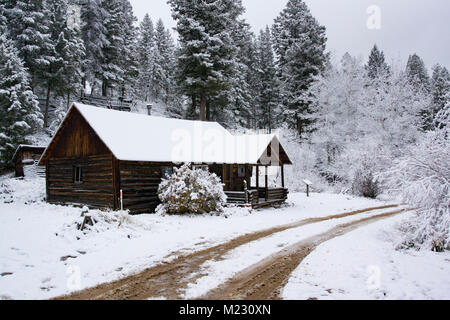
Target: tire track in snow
[(266, 279), (170, 279)]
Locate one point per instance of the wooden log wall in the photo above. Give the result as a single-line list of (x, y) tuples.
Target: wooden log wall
[(96, 190), (139, 182), (277, 194), (273, 193), (239, 197)]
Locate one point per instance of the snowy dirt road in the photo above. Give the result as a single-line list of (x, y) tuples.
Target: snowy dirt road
[(265, 280), (170, 280)]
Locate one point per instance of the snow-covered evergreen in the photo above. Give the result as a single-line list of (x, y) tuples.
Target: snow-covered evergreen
[(63, 72), (417, 72), (28, 27), (145, 58), (19, 112), (300, 44), (128, 50), (93, 16), (377, 66), (164, 64), (440, 88), (207, 59), (268, 100)]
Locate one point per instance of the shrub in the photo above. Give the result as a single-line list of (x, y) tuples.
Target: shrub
[(365, 184), (422, 178), (191, 191)]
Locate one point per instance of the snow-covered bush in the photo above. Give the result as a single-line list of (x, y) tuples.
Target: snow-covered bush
[(365, 184), (191, 191), (422, 178)]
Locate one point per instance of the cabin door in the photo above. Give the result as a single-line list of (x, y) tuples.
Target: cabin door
[(227, 177)]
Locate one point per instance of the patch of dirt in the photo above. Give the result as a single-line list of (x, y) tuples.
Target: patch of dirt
[(265, 280), (170, 280)]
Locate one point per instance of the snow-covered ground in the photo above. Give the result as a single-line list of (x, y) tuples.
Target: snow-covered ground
[(364, 264), (42, 252), (249, 254)]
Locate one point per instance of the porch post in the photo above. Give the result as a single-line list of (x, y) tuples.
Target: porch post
[(257, 178), (282, 176), (267, 183)]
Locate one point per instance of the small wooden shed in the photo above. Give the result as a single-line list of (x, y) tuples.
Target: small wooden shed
[(97, 153), (27, 156)]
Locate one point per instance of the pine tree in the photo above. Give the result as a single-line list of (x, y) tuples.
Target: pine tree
[(62, 75), (145, 58), (440, 87), (70, 48), (3, 18), (128, 54), (268, 86), (417, 73), (233, 105), (93, 33), (300, 44), (440, 92), (207, 55), (29, 28), (442, 119), (112, 72), (163, 63), (377, 66), (19, 111)]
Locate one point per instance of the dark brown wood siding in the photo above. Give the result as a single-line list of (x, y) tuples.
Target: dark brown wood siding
[(139, 182), (76, 139), (96, 189), (232, 180)]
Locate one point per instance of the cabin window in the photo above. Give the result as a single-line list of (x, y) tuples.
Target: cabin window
[(77, 175), (202, 167), (167, 172), (241, 172)]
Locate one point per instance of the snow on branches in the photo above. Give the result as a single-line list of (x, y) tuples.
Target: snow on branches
[(191, 191), (422, 178)]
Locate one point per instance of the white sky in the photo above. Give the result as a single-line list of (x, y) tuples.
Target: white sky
[(407, 26)]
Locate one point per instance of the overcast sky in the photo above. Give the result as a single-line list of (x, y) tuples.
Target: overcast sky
[(407, 26)]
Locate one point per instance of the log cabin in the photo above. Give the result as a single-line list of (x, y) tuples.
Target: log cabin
[(111, 159), (27, 156)]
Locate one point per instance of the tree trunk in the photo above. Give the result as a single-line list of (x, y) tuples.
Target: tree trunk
[(68, 100), (203, 108), (104, 86), (269, 117), (47, 103), (208, 111), (83, 89), (300, 127)]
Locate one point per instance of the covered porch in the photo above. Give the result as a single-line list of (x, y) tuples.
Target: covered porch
[(249, 184), (257, 194)]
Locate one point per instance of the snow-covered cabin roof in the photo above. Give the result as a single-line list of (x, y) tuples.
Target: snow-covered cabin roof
[(139, 137), (26, 147)]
